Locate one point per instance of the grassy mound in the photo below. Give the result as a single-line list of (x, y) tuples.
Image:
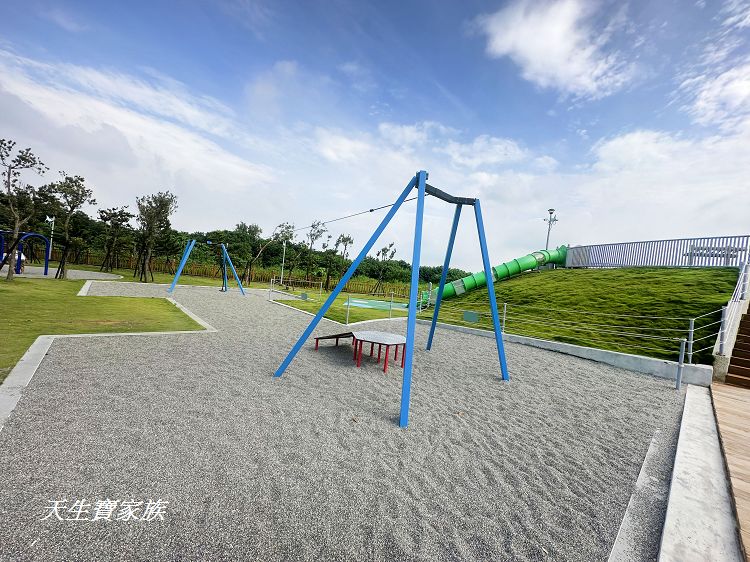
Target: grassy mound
[(611, 309)]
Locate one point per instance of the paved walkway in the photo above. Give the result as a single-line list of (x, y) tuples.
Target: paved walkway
[(36, 271), (313, 465), (732, 407)]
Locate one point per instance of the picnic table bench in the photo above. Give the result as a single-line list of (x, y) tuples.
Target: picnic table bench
[(373, 337)]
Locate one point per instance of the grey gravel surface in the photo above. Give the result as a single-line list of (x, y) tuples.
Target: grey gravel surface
[(35, 271), (313, 465)]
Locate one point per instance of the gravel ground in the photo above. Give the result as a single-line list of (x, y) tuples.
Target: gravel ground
[(34, 271), (313, 465)]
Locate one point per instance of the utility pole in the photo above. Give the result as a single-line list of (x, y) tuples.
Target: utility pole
[(550, 221)]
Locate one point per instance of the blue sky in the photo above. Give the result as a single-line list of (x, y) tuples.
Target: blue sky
[(631, 118)]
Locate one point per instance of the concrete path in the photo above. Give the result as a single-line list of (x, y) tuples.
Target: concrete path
[(313, 465), (700, 523), (38, 272)]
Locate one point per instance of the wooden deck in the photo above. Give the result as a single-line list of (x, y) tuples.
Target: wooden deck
[(732, 407)]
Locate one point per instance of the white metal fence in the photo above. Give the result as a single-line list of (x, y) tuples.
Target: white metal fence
[(731, 314), (719, 251)]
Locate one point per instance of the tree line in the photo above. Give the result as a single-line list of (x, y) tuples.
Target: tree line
[(138, 236)]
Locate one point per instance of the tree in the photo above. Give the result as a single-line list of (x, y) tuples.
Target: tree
[(153, 220), (315, 232), (329, 255), (71, 193), (255, 230), (115, 219), (20, 199), (344, 241), (384, 255)]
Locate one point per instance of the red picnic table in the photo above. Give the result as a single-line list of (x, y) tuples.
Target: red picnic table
[(374, 338)]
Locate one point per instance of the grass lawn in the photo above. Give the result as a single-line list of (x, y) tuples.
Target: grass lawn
[(552, 304), (127, 275), (337, 311), (32, 307)]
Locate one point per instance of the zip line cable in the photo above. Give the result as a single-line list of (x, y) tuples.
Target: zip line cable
[(357, 214)]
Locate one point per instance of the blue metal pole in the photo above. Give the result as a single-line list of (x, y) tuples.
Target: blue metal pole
[(491, 290), (46, 255), (345, 279), (224, 280), (411, 322), (20, 253), (234, 271), (444, 275), (183, 261)]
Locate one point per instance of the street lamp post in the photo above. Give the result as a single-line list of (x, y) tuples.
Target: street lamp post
[(550, 221), (51, 237)]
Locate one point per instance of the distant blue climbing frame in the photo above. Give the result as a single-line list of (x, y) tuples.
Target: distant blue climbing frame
[(419, 181), (225, 260)]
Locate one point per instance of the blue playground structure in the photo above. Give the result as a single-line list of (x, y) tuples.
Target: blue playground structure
[(19, 248), (225, 260), (418, 182)]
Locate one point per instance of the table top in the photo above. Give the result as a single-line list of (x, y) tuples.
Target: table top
[(384, 338)]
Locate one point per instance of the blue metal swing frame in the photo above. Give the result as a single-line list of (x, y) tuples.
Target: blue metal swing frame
[(19, 248), (419, 182), (225, 259)]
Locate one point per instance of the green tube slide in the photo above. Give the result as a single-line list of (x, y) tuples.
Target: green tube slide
[(506, 270)]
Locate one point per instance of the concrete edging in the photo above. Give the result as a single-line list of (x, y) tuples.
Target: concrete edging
[(691, 374), (645, 486), (85, 289), (700, 522)]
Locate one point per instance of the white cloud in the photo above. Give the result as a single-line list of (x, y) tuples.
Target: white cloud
[(736, 14), (418, 135), (121, 151), (336, 147), (156, 95), (722, 99), (359, 76), (556, 46), (484, 150), (255, 15), (289, 92), (545, 163), (63, 19)]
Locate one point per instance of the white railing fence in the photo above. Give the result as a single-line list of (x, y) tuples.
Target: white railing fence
[(731, 314), (719, 251)]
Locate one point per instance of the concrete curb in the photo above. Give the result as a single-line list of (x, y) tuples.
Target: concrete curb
[(649, 488), (208, 327), (19, 377), (85, 289), (700, 522), (621, 550), (691, 374)]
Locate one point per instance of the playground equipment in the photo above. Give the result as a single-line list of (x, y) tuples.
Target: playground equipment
[(301, 289), (418, 182), (374, 338), (225, 259), (19, 248), (506, 270), (425, 299)]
